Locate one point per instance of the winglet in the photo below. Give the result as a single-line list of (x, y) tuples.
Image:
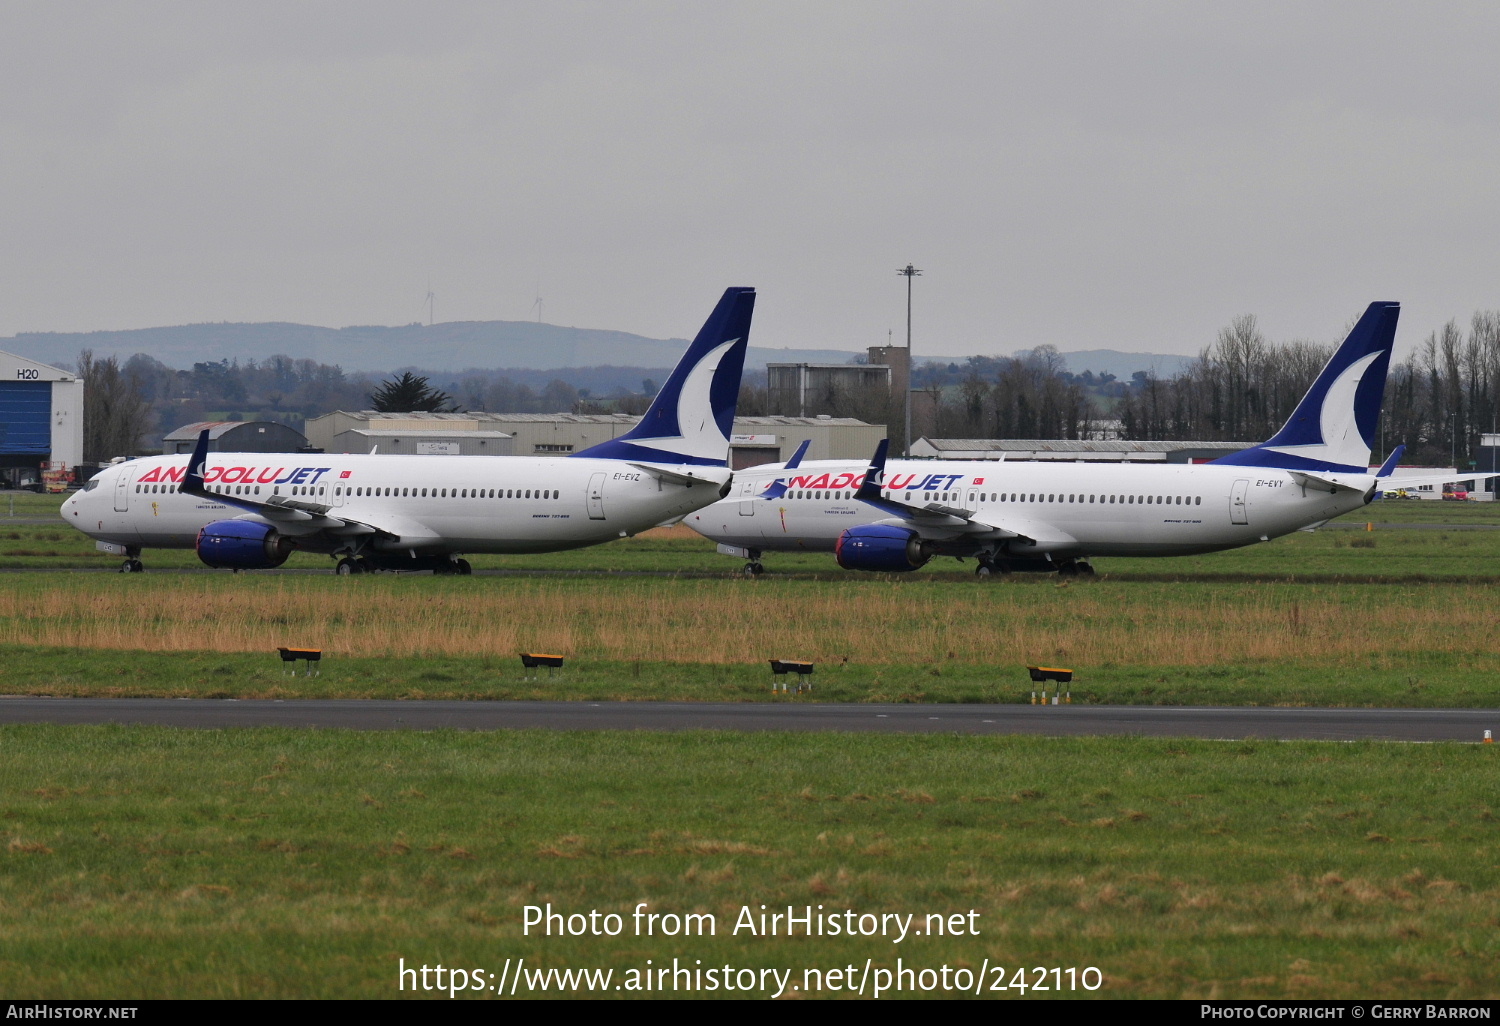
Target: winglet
[(192, 481), (778, 486), (1390, 462), (869, 488), (796, 460)]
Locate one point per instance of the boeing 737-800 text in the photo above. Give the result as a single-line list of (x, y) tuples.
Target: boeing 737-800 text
[(370, 511)]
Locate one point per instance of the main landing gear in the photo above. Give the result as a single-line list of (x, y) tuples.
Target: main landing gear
[(1075, 568), (459, 567), (753, 569), (132, 566)]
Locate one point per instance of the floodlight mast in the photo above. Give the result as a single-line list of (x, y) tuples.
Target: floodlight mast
[(908, 272)]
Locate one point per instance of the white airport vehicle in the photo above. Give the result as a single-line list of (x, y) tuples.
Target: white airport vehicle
[(1025, 516), (250, 511)]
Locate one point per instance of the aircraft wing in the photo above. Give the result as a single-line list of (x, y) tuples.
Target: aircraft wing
[(937, 521), (298, 517)]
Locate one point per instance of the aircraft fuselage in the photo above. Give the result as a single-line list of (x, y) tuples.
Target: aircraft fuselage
[(1061, 510), (435, 504)]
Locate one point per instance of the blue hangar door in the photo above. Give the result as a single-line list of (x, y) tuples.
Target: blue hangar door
[(26, 417)]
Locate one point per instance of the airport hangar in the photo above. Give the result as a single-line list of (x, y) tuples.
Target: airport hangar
[(754, 441), (41, 420), (235, 436)]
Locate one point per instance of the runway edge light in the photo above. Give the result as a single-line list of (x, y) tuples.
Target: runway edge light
[(1043, 674), (1489, 738)]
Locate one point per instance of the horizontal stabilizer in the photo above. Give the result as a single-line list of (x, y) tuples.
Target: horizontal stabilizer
[(1331, 482), (680, 476)]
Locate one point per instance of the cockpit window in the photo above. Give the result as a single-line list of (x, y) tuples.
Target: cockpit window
[(91, 485)]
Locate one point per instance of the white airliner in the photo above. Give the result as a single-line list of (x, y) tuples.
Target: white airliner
[(1047, 516), (388, 512)]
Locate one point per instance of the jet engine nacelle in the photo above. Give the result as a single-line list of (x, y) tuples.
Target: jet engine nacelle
[(242, 545), (880, 547)]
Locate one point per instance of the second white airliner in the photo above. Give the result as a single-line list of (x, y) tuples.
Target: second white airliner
[(1055, 517)]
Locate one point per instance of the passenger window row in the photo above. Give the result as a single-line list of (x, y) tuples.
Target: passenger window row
[(315, 490), (1078, 497), (359, 491), (1071, 497), (821, 495)]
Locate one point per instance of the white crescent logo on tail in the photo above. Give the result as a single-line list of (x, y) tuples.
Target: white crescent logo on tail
[(701, 437), (1342, 443)]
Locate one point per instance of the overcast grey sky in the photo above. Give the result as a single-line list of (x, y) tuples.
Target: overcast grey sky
[(1090, 175)]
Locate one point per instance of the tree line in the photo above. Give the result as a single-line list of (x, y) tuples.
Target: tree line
[(1242, 387), (130, 405), (1438, 401)]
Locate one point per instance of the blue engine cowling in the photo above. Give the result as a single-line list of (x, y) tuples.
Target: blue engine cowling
[(242, 545), (880, 547)]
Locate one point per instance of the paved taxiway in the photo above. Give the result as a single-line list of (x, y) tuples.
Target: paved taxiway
[(792, 715)]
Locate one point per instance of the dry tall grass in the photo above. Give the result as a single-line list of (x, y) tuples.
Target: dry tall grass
[(739, 621)]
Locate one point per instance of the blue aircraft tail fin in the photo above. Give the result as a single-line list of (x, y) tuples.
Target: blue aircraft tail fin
[(1333, 427), (692, 416)]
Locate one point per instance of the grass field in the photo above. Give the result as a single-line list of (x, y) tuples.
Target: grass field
[(271, 863), (874, 638), (143, 862), (1340, 552)]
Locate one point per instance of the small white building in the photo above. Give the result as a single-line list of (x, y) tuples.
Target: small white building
[(1458, 483), (1072, 450), (41, 420)]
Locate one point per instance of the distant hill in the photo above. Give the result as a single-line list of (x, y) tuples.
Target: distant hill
[(450, 347), (459, 345)]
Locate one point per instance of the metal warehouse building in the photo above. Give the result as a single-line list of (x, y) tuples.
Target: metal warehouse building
[(235, 436), (755, 440), (1072, 450), (41, 419)]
